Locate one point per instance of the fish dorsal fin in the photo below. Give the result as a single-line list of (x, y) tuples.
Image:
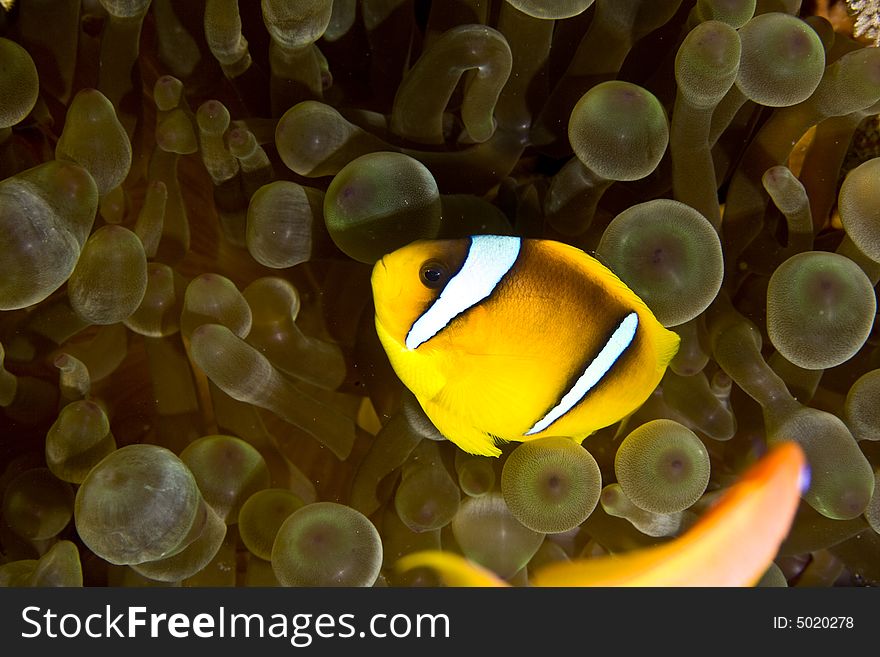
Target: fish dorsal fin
[(595, 255), (592, 264), (667, 346)]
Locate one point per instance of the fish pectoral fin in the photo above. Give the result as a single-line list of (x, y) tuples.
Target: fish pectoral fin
[(468, 438)]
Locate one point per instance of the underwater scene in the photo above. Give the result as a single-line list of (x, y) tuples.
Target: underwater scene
[(439, 293)]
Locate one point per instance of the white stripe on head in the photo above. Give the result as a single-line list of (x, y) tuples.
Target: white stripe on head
[(489, 258), (618, 342)]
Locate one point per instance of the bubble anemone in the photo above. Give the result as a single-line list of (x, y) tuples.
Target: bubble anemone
[(296, 64), (314, 139), (872, 511), (619, 131), (125, 8), (790, 196), (553, 10), (296, 25), (181, 257), (213, 119), (94, 138), (283, 218), (245, 374), (227, 470), (774, 577), (551, 485), (427, 498), (214, 299), (735, 13), (110, 278), (159, 312), (19, 84), (327, 544), (399, 540), (46, 214), (615, 503), (706, 66), (260, 517), (669, 254), (841, 479), (490, 535), (379, 202), (276, 304), (78, 440), (59, 566), (140, 503), (37, 505), (699, 405), (476, 474), (662, 466), (820, 309), (782, 62), (707, 63), (861, 410), (859, 205), (192, 558), (480, 53)]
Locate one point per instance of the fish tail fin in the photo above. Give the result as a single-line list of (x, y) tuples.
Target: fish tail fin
[(668, 346), (668, 343), (732, 544)]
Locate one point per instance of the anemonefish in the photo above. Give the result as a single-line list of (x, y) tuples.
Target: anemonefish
[(502, 338)]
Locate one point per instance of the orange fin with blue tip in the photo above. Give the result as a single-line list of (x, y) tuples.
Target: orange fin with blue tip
[(732, 544)]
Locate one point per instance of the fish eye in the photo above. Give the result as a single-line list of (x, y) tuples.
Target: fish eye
[(433, 274)]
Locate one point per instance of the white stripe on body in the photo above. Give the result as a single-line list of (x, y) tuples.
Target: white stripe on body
[(489, 259), (618, 342)]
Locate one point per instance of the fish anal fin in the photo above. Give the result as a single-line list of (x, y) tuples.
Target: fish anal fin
[(468, 438)]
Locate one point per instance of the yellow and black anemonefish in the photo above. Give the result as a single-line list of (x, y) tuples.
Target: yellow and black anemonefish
[(502, 338)]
